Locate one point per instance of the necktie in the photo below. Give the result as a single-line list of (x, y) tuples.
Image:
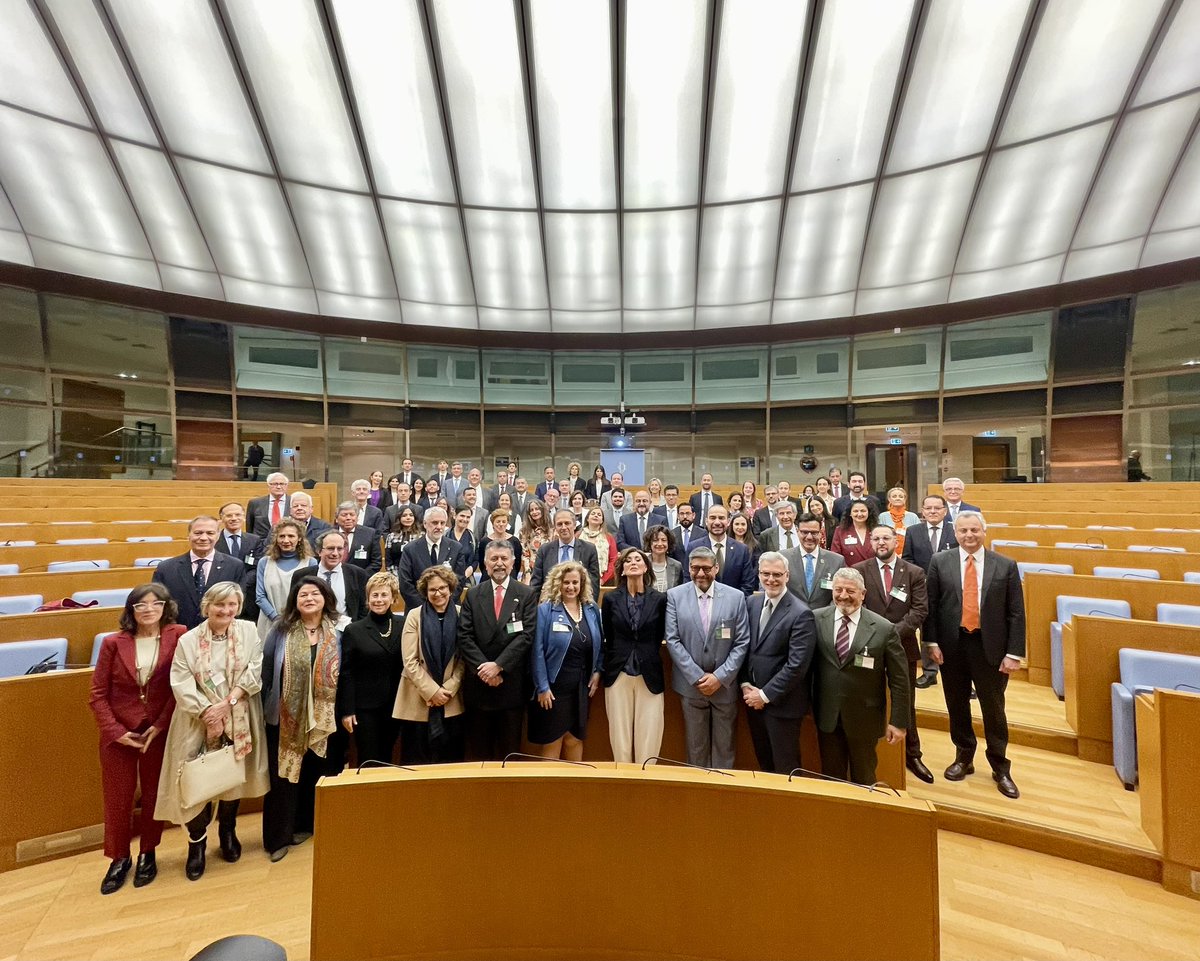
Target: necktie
[(198, 577), (720, 552), (705, 613), (498, 591), (842, 641), (809, 573), (790, 545), (887, 578), (970, 606), (433, 555), (706, 504), (933, 539), (768, 607), (328, 575), (642, 526), (564, 553), (275, 511), (684, 534), (236, 543)]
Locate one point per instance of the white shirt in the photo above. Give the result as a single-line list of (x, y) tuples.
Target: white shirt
[(837, 624), (783, 536), (337, 583), (962, 569), (208, 566)]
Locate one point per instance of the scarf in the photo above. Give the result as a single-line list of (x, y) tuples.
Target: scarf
[(306, 698), (237, 724), (439, 639), (898, 523), (599, 540)]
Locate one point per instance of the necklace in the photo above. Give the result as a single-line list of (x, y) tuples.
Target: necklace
[(388, 632)]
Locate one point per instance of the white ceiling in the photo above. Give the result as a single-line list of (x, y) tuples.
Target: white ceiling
[(598, 165)]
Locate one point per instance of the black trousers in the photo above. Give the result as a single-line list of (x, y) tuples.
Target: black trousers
[(776, 740), (912, 738), (848, 758), (227, 812), (493, 735), (963, 666), (375, 734), (416, 747), (288, 808)]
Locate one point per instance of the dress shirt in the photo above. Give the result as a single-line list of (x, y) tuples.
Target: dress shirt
[(783, 538), (570, 547), (935, 536), (208, 565), (837, 623), (442, 551), (336, 582), (362, 515), (962, 575)]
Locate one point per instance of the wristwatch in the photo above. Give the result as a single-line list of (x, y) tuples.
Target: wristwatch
[(233, 702)]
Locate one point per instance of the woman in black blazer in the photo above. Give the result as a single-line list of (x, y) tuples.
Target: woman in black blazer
[(370, 672), (597, 485), (634, 618)]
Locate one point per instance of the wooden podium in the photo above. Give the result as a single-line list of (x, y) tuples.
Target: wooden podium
[(605, 860)]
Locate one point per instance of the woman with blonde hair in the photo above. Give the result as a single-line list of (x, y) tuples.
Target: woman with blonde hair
[(216, 677), (655, 490), (575, 477), (429, 701), (287, 549), (595, 532), (898, 515), (370, 672), (566, 662)]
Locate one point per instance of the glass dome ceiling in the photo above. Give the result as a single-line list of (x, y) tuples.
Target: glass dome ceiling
[(598, 165)]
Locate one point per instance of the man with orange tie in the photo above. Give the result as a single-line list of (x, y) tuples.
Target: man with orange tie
[(976, 632)]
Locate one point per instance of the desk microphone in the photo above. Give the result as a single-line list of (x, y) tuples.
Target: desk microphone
[(1187, 687), (838, 780), (698, 767), (1120, 617), (518, 756), (1139, 577), (374, 763)]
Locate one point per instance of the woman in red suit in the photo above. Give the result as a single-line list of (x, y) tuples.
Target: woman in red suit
[(852, 538), (132, 700)]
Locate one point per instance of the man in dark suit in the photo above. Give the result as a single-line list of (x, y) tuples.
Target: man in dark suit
[(403, 500), (368, 514), (976, 631), (546, 484), (348, 583), (631, 529), (479, 516), (953, 488), (362, 543), (735, 565), (503, 486), (811, 567), (764, 517), (858, 492), (704, 499), (836, 489), (254, 458), (430, 551), (454, 485), (302, 514), (859, 660), (521, 496), (684, 534), (774, 678), (896, 591), (409, 476), (234, 540), (921, 543), (668, 513), (495, 634), (263, 512), (566, 546), (189, 575), (483, 495)]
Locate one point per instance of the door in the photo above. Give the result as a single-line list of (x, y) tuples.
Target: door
[(892, 465), (992, 461)]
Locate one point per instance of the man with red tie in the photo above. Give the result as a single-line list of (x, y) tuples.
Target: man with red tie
[(263, 513), (976, 632)]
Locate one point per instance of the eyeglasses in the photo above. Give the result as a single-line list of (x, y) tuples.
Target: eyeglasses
[(442, 589), (148, 605)]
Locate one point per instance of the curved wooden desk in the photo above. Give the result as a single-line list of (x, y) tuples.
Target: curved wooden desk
[(549, 860)]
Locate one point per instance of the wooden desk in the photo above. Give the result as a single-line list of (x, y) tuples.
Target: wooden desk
[(1169, 778), (1112, 540), (559, 861), (79, 627), (1091, 663), (54, 587), (117, 553), (1041, 595), (1171, 567)]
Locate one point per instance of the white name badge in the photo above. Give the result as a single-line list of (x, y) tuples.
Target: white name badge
[(251, 560), (218, 679), (724, 633), (515, 627), (864, 661), (850, 540), (561, 628), (900, 594), (360, 554), (827, 583)]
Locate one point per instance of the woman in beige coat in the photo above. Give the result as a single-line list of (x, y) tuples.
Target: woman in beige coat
[(429, 700), (216, 676)]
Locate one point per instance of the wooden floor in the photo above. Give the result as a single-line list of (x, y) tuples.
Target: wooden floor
[(1030, 705), (997, 902)]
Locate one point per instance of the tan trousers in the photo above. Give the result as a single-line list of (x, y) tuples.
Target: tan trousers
[(635, 719)]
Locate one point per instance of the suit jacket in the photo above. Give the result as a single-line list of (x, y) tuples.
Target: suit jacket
[(393, 511), (356, 587), (175, 574), (547, 558), (364, 551), (909, 614), (696, 500), (621, 638), (854, 693), (720, 652), (611, 521), (115, 694), (1001, 606), (258, 514), (853, 548), (762, 521), (250, 549), (371, 667), (485, 497), (772, 539), (778, 659), (962, 506), (918, 550), (842, 504), (453, 487), (627, 530), (373, 517), (681, 552), (248, 546), (315, 528), (414, 559), (507, 640), (521, 501), (409, 477), (828, 563), (737, 571), (591, 492), (541, 489), (664, 515), (550, 645)]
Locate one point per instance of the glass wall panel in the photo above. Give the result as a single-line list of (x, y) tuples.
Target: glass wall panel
[(441, 375), (1000, 350), (200, 353), (517, 377), (278, 361), (442, 433), (20, 328), (670, 447), (24, 440), (105, 339), (907, 363), (95, 392), (731, 376), (995, 449), (299, 450), (1166, 328), (1166, 390), (94, 442), (1090, 340), (28, 386), (810, 371), (731, 444), (374, 369), (590, 380), (803, 438), (354, 452), (194, 403), (1088, 398), (908, 459), (659, 377), (1169, 442), (520, 435)]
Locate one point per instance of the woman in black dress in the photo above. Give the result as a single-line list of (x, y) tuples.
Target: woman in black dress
[(370, 675), (566, 662)]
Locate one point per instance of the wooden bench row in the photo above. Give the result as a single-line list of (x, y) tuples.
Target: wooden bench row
[(117, 553)]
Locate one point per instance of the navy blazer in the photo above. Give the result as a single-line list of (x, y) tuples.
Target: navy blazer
[(620, 638), (738, 570), (175, 574), (696, 500), (918, 550), (627, 529), (779, 659), (552, 639)]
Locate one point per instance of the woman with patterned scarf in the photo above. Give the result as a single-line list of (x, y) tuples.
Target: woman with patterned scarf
[(301, 663), (216, 678)]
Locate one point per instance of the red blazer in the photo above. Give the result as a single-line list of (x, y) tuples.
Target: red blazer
[(854, 553), (115, 700)]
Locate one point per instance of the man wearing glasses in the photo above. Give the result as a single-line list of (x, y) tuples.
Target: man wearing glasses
[(810, 568), (348, 583)]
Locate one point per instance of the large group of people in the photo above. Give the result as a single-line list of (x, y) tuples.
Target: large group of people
[(268, 652)]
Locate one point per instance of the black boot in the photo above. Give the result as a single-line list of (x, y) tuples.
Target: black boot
[(194, 869), (115, 876), (146, 870), (231, 847)]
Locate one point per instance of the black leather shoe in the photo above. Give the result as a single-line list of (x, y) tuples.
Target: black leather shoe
[(231, 847), (1005, 785), (194, 869), (959, 770), (926, 680), (917, 766), (146, 870), (115, 876)]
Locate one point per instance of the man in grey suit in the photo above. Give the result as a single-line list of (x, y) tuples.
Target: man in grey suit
[(859, 659), (774, 680), (708, 634), (784, 537), (811, 567)]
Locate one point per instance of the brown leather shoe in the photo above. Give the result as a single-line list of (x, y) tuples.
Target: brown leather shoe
[(919, 770), (1005, 785), (959, 770)]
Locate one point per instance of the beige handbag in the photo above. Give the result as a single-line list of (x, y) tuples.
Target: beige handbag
[(209, 774)]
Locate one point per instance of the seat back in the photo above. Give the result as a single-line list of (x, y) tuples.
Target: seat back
[(155, 539), (996, 544), (1150, 669), (20, 603), (110, 597), (96, 646), (1155, 549), (82, 540), (148, 561), (1071, 604), (1134, 573), (17, 657), (1179, 614), (1038, 567), (1079, 546), (61, 567), (6, 569), (1191, 577)]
